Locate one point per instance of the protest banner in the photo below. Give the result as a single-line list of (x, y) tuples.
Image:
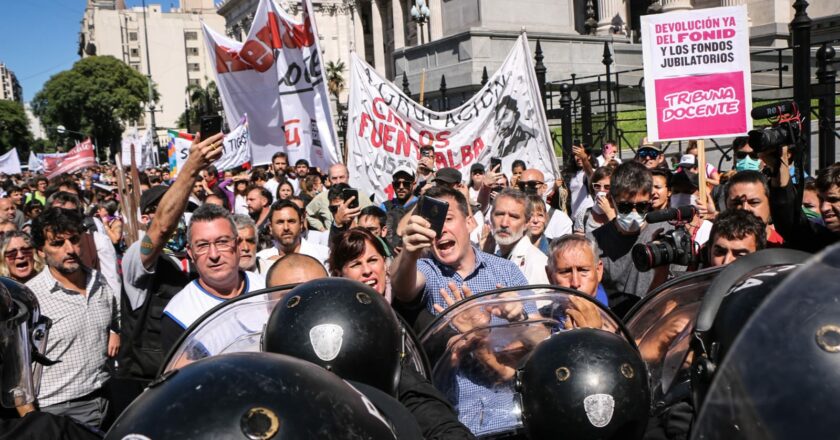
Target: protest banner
[(78, 158), (10, 162), (697, 73), (276, 77), (504, 119), (178, 150), (35, 162), (143, 149), (237, 147)]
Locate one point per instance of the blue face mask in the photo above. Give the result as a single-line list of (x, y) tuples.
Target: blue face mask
[(747, 164)]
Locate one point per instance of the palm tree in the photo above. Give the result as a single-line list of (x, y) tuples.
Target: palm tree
[(335, 78), (202, 101)]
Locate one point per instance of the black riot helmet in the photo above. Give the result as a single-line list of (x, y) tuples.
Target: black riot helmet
[(780, 378), (584, 384), (23, 336), (251, 396), (341, 325), (729, 302)]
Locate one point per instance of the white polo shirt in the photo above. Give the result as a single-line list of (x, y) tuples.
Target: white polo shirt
[(530, 260), (193, 300), (319, 252)]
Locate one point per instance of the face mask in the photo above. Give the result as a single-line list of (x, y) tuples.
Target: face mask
[(747, 164), (631, 222), (596, 208), (678, 200)]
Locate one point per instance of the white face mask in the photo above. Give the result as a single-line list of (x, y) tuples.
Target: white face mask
[(596, 208), (631, 222), (678, 200)]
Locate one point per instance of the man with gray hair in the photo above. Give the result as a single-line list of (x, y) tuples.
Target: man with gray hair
[(509, 219), (573, 263), (213, 244), (247, 230)]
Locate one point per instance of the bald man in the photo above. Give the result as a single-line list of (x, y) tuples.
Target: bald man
[(294, 269), (559, 223), (318, 211)]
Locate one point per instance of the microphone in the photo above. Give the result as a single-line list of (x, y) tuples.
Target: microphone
[(773, 110), (683, 214)]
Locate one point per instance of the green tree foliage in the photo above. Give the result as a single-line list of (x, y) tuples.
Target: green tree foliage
[(202, 101), (14, 127), (335, 78), (97, 96)]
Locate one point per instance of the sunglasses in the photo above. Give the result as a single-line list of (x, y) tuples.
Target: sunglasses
[(743, 154), (648, 153), (599, 187), (628, 207), (402, 184), (11, 254), (532, 184)]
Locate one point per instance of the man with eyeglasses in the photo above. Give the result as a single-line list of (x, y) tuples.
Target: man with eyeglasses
[(213, 244), (558, 223), (86, 320), (630, 195)]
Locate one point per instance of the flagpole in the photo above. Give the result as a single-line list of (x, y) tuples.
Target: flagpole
[(422, 85)]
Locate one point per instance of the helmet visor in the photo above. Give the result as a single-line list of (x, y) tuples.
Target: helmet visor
[(16, 384)]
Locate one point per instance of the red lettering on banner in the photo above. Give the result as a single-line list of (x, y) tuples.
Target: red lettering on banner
[(292, 132), (442, 138), (227, 60), (375, 110), (387, 136), (403, 143), (363, 124), (257, 54), (426, 134)]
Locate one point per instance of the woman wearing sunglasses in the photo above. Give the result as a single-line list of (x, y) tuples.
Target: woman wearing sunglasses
[(19, 261)]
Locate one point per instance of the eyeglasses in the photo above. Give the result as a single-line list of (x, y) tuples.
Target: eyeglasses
[(224, 244), (25, 252), (743, 154), (627, 207), (402, 184), (531, 184), (599, 187), (74, 239), (648, 153)]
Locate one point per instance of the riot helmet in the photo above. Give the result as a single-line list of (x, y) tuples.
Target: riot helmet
[(584, 384), (341, 325), (780, 377), (730, 301), (23, 336), (251, 396)]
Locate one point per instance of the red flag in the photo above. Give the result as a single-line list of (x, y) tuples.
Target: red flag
[(80, 157)]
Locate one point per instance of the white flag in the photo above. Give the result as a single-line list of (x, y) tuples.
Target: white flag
[(35, 164), (276, 77), (237, 148), (504, 119), (10, 162)]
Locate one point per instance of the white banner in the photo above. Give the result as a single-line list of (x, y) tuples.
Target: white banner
[(10, 162), (143, 149), (237, 147), (277, 78), (697, 73), (504, 119), (35, 164)]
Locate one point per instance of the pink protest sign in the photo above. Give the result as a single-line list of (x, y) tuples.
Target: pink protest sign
[(697, 74)]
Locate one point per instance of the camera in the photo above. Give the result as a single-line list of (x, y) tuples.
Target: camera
[(786, 129), (673, 247)]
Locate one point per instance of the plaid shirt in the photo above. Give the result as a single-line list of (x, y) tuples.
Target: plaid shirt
[(78, 336)]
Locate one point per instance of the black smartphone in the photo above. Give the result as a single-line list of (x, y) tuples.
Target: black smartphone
[(210, 125), (347, 193), (495, 162), (434, 211)]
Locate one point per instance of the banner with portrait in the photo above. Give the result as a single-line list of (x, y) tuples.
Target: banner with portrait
[(505, 119)]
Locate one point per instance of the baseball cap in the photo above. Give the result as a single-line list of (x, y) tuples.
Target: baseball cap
[(448, 175), (646, 143), (688, 161), (402, 169), (151, 197), (476, 168)]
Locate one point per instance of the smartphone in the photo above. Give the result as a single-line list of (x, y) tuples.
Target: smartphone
[(495, 162), (434, 211), (347, 193), (210, 125)]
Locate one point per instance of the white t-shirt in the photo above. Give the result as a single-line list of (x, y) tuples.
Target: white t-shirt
[(530, 260), (603, 160), (558, 225), (193, 301), (271, 185), (316, 251)]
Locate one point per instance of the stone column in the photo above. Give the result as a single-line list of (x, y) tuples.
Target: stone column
[(358, 38), (378, 41), (436, 20), (607, 10), (676, 5), (397, 7)]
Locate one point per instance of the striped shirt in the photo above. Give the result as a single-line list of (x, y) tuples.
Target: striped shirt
[(78, 337)]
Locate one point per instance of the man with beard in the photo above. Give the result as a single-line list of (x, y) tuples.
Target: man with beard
[(247, 230), (85, 315), (509, 219), (279, 163), (514, 135), (404, 199), (259, 201), (286, 224)]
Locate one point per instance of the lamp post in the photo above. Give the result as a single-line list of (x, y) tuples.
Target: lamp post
[(420, 14), (149, 79), (62, 130)]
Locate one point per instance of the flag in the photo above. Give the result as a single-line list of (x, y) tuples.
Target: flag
[(237, 147), (10, 162), (78, 158)]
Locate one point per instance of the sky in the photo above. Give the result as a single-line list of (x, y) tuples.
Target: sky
[(39, 38)]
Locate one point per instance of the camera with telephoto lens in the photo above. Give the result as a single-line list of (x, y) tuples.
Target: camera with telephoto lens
[(673, 247), (786, 128)]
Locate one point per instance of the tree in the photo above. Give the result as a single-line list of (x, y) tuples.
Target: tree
[(97, 96), (335, 78), (202, 101), (14, 127)]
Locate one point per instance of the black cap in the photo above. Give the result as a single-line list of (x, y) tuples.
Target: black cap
[(151, 197), (685, 177), (476, 167), (448, 175)]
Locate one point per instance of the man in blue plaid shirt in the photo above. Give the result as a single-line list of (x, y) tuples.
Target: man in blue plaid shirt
[(452, 259)]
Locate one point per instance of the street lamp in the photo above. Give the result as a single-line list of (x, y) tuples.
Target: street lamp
[(420, 14)]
